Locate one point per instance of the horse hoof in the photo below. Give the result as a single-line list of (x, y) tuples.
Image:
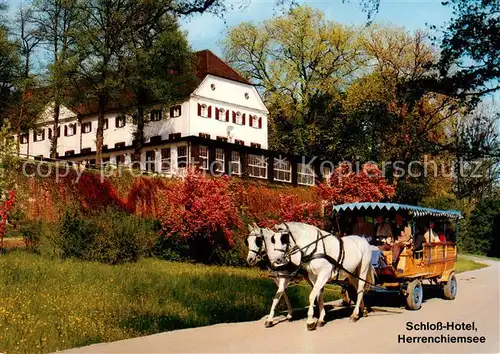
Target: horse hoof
[(365, 312), (289, 318), (268, 324), (320, 324), (353, 319), (311, 326)]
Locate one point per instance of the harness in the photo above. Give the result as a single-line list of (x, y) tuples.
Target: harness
[(337, 264), (290, 267)]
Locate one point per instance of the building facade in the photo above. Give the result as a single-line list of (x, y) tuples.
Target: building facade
[(222, 126)]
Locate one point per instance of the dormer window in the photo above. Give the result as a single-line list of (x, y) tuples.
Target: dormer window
[(247, 96), (212, 86)]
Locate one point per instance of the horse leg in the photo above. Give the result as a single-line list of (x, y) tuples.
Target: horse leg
[(320, 282), (363, 274), (281, 282), (289, 306), (322, 312)]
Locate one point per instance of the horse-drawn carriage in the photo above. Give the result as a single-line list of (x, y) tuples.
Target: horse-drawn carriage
[(399, 266), (418, 260)]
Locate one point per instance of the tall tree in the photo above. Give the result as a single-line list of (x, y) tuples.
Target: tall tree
[(470, 48), (10, 68), (158, 67), (292, 57), (55, 21), (23, 115)]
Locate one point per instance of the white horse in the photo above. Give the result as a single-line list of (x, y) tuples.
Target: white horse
[(317, 251), (259, 245), (258, 242)]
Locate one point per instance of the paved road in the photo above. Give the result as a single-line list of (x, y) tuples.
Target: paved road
[(477, 301)]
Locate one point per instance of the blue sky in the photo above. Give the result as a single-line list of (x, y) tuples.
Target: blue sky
[(205, 31)]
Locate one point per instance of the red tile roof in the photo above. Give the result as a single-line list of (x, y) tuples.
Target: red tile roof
[(209, 63)]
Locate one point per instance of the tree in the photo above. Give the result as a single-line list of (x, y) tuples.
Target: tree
[(159, 65), (107, 36), (292, 57), (55, 21), (482, 234), (23, 114), (470, 50), (347, 185), (9, 72)]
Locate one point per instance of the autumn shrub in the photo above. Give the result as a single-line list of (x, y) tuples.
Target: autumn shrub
[(269, 205), (5, 211), (201, 211), (349, 186)]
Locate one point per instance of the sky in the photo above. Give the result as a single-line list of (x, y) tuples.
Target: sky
[(206, 31)]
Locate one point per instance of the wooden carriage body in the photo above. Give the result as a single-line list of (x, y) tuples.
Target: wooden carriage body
[(434, 262)]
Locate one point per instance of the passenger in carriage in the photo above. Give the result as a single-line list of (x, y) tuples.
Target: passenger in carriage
[(363, 228), (383, 234), (430, 235), (404, 238)]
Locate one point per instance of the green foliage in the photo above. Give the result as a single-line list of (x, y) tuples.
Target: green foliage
[(9, 161), (110, 237), (470, 50), (52, 305), (482, 231), (32, 233)]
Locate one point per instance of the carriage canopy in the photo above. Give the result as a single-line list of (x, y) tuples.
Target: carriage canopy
[(412, 209)]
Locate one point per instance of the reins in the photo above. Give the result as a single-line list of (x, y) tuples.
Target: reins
[(337, 264)]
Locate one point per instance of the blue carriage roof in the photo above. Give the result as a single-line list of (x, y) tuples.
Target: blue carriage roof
[(415, 210)]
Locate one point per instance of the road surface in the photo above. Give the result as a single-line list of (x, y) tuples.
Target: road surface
[(477, 302)]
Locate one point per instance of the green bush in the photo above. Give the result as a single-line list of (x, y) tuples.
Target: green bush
[(111, 236), (482, 231), (32, 233)]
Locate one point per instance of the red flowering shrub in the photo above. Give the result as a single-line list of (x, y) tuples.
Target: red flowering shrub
[(347, 186), (5, 210), (271, 205), (146, 195), (201, 209)]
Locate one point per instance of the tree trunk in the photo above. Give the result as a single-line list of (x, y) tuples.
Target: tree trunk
[(100, 128), (53, 143)]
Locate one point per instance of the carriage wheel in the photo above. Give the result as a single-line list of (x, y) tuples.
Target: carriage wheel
[(450, 288), (415, 295)]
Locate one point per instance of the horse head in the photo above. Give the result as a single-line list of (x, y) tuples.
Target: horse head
[(255, 244), (282, 242)]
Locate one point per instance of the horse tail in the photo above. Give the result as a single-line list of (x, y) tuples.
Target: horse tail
[(370, 277)]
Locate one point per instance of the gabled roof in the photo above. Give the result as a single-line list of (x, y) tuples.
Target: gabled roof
[(207, 63), (211, 64)]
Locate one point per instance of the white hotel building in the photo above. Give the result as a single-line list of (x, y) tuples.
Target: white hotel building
[(223, 123)]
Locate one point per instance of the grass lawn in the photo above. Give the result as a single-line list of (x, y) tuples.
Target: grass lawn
[(464, 264), (48, 305)]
